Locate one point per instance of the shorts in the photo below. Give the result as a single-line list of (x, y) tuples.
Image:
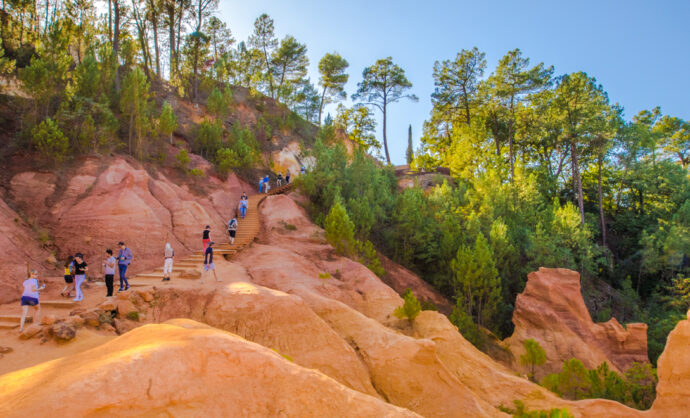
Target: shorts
[(29, 301), (232, 232), (206, 241), (69, 278), (208, 267), (168, 266)]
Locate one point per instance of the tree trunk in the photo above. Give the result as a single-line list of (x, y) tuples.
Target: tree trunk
[(467, 106), (155, 45), (116, 44), (602, 219), (577, 182), (110, 21), (385, 140), (195, 67), (171, 39), (323, 98)]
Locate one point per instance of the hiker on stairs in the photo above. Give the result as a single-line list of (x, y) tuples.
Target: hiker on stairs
[(169, 254), (261, 184), (267, 184), (109, 266), (208, 263), (206, 236), (244, 204), (279, 182), (30, 298), (287, 177), (232, 230)]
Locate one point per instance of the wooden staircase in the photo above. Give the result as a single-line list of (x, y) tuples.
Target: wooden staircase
[(247, 230)]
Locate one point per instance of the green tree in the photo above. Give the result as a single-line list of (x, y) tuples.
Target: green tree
[(340, 230), (208, 138), (333, 79), (457, 84), (264, 41), (134, 104), (359, 124), (167, 122), (476, 281), (182, 160), (382, 84), (218, 103), (410, 308), (409, 154), (49, 141), (289, 65), (534, 356)]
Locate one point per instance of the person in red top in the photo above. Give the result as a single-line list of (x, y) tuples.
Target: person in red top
[(206, 236)]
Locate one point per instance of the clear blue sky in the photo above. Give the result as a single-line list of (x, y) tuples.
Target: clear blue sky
[(639, 50)]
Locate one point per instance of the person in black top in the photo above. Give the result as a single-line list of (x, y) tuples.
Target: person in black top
[(80, 268), (206, 236), (208, 262)]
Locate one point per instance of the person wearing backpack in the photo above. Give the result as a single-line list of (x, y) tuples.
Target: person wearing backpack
[(279, 182), (232, 230), (244, 204), (30, 298)]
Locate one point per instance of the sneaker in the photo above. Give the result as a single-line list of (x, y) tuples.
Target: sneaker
[(127, 288), (120, 290)]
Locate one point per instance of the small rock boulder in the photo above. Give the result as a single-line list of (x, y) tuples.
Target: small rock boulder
[(30, 331), (108, 305), (123, 295), (123, 325), (75, 321), (126, 309), (63, 331), (146, 295), (92, 317), (48, 319)]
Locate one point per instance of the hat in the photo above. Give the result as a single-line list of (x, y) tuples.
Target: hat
[(120, 243), (78, 255)]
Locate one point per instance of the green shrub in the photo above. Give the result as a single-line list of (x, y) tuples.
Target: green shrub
[(196, 172), (340, 231), (428, 305), (410, 308), (290, 227), (369, 257), (467, 327), (49, 141), (521, 411), (324, 276), (134, 316), (207, 139), (534, 356), (182, 160)]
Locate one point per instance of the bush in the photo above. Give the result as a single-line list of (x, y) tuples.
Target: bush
[(208, 138), (410, 309), (196, 172), (340, 231), (534, 356), (369, 257), (182, 160), (521, 411), (467, 327), (49, 141)]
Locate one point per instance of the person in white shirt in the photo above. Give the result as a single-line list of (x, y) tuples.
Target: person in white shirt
[(168, 264), (109, 266), (30, 298)]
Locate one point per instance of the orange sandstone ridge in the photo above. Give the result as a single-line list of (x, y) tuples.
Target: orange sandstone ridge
[(551, 311)]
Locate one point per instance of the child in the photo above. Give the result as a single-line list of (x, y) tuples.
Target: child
[(69, 277), (208, 263), (232, 230), (109, 265)]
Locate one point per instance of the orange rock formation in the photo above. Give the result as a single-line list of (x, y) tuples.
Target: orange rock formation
[(552, 312)]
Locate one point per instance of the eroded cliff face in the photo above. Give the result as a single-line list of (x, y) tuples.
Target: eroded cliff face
[(288, 337), (552, 312)]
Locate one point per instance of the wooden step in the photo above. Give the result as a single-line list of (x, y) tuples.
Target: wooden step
[(67, 303)]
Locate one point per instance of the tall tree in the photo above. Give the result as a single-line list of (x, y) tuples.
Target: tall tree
[(409, 154), (512, 82), (134, 104), (582, 108), (383, 83), (174, 12), (359, 124), (289, 65), (153, 15), (116, 41), (457, 83), (263, 39), (201, 10), (333, 79)]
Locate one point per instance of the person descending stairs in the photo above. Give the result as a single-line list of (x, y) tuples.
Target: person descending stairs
[(247, 229)]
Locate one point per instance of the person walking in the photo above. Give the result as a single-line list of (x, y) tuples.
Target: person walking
[(279, 181), (232, 230), (30, 298), (267, 183), (208, 263), (302, 171), (80, 269), (124, 259), (109, 267), (168, 264), (244, 205), (287, 177), (206, 236), (69, 278), (261, 184)]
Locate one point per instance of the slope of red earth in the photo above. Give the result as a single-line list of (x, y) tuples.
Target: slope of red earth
[(282, 332), (551, 311)]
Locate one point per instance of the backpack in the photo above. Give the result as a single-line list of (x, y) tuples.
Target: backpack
[(232, 225)]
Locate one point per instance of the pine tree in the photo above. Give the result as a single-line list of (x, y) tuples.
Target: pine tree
[(409, 155), (534, 356), (477, 284), (167, 121), (340, 231), (410, 309)]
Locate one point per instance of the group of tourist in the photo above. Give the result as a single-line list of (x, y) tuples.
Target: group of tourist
[(265, 184), (76, 268)]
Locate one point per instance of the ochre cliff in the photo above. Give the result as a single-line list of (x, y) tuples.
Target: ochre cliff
[(551, 311)]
